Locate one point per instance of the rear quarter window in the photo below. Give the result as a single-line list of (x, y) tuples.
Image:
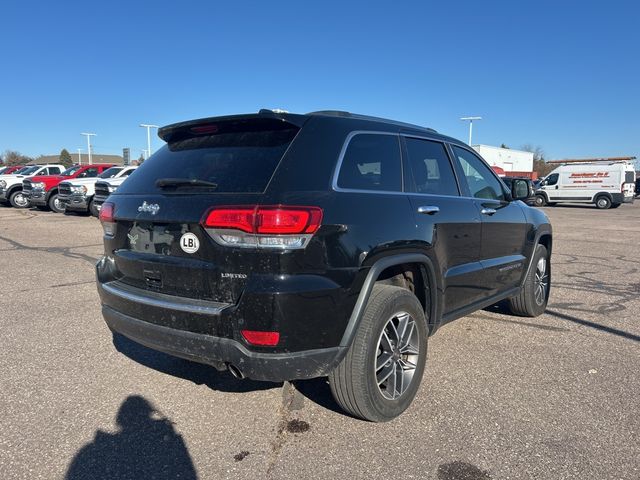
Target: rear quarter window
[(238, 162), (371, 162)]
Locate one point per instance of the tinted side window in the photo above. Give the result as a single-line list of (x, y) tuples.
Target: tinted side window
[(372, 162), (127, 173), (54, 170), (481, 181), (430, 166)]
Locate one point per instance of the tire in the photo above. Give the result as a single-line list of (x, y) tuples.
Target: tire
[(354, 383), (93, 210), (615, 205), (55, 204), (540, 201), (18, 200), (603, 202), (532, 299)]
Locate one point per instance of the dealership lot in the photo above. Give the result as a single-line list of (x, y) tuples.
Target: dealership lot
[(503, 397)]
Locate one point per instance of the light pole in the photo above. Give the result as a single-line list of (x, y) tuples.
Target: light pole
[(79, 156), (470, 120), (148, 127), (89, 135)]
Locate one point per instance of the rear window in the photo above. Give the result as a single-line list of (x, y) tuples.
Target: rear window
[(629, 177), (238, 162)]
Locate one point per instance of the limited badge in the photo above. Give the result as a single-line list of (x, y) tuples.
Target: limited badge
[(189, 243)]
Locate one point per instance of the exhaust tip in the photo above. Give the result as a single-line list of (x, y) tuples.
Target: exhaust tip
[(235, 371)]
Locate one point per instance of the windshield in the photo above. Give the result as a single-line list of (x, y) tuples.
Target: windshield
[(27, 170), (70, 171), (110, 172)]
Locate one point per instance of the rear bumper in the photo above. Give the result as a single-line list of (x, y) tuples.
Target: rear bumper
[(209, 332), (215, 351), (621, 198)]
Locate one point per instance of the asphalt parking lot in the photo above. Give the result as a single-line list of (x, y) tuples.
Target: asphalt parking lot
[(503, 397)]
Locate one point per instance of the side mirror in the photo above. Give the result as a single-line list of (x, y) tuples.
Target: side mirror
[(520, 189)]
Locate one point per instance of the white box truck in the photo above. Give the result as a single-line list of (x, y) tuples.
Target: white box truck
[(607, 185)]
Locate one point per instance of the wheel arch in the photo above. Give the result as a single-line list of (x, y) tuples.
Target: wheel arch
[(386, 269), (602, 194)]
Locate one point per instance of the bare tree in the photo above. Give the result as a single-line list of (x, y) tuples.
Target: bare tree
[(12, 157), (540, 165)]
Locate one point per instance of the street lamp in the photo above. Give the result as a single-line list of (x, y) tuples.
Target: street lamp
[(89, 135), (470, 120), (148, 127), (79, 156)]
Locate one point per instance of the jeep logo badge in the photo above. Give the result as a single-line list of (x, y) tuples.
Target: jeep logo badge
[(151, 208), (189, 243)]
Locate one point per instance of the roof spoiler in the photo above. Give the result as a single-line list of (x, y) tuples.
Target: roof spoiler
[(264, 120)]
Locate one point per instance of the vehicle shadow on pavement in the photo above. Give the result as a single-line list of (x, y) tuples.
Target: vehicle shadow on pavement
[(197, 373), (145, 446)]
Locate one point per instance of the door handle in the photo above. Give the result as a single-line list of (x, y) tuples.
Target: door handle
[(488, 211), (429, 210)]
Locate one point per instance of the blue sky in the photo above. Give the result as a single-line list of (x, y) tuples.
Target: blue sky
[(564, 75)]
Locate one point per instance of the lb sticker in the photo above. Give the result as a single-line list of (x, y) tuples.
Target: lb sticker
[(189, 243)]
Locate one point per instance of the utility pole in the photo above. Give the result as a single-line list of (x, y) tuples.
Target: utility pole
[(148, 127), (470, 120), (89, 135), (79, 156)]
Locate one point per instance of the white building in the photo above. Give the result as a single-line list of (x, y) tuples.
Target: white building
[(506, 158)]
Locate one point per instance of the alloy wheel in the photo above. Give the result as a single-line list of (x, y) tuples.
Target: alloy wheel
[(397, 355), (541, 285)]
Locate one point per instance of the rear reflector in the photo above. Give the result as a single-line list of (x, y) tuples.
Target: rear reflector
[(265, 339)]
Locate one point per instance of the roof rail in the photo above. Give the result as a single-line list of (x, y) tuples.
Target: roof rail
[(592, 160)]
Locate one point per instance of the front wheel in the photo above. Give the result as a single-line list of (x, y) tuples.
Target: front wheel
[(540, 201), (380, 375), (93, 210), (18, 200), (532, 299), (55, 204)]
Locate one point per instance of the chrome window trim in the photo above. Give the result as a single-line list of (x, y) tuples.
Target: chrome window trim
[(343, 151)]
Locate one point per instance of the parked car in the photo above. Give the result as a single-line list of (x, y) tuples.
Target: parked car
[(283, 246), (104, 188), (531, 197), (77, 195), (11, 169), (11, 185), (42, 191), (605, 184)]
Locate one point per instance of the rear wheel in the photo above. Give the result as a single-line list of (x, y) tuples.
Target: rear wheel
[(603, 202), (18, 200), (532, 299), (540, 201), (380, 375), (55, 204)]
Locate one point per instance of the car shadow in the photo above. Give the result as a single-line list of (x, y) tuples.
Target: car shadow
[(146, 445), (316, 390), (198, 373)]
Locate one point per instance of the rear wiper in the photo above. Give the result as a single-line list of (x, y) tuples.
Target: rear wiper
[(184, 182)]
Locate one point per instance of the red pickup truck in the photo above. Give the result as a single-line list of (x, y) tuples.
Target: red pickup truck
[(42, 190)]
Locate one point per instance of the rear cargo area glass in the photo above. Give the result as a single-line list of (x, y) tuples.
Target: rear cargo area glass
[(238, 162)]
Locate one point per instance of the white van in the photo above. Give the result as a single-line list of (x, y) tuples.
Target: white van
[(605, 184)]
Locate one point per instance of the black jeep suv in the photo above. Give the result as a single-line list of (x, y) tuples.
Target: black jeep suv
[(285, 247)]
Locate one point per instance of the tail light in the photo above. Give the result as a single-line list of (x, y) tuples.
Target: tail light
[(263, 226), (107, 218), (265, 339)]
